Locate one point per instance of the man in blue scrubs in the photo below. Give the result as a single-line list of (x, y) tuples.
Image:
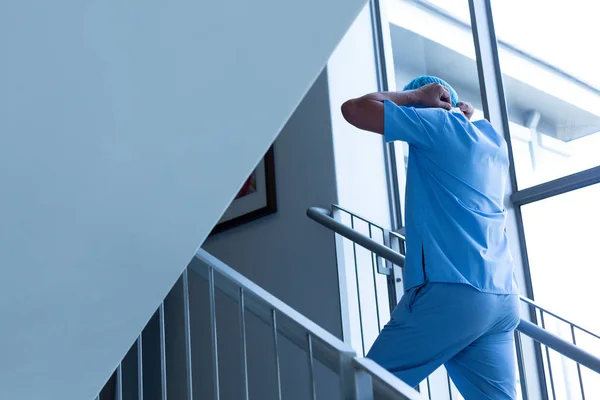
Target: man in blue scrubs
[(461, 303)]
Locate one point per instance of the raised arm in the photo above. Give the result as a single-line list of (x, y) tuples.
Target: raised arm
[(366, 112)]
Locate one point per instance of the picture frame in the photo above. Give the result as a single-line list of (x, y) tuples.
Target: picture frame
[(256, 199)]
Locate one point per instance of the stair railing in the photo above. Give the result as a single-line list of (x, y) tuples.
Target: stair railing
[(359, 378), (382, 249)]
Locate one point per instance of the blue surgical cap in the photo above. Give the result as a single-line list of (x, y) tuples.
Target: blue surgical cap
[(425, 80)]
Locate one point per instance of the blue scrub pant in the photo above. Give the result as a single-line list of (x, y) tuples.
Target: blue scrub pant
[(468, 331)]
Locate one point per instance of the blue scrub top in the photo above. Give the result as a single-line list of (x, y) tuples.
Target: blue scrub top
[(455, 216)]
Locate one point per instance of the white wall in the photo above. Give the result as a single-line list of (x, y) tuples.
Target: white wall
[(119, 124), (360, 174), (359, 155)]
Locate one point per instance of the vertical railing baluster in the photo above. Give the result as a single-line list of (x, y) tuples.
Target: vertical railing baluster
[(364, 385), (187, 336), (350, 386), (578, 365), (163, 351), (140, 368), (360, 320), (548, 358), (429, 388), (311, 368), (389, 240), (243, 343), (276, 344), (213, 331), (521, 365), (374, 267), (119, 385), (449, 386)]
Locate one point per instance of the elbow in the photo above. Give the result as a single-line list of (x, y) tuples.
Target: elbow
[(364, 114), (349, 111)]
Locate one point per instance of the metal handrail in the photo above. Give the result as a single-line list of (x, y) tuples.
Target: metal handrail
[(261, 303), (561, 346), (325, 218), (304, 333), (558, 317), (385, 383), (317, 214), (358, 378)]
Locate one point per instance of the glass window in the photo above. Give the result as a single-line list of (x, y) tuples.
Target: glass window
[(552, 86), (562, 242), (578, 24), (553, 96), (427, 40)]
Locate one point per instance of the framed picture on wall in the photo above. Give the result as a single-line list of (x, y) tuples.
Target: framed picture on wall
[(256, 198)]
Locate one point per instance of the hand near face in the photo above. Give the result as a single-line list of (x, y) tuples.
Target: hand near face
[(433, 95), (466, 109)]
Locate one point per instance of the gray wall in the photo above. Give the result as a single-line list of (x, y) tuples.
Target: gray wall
[(288, 255), (125, 130)]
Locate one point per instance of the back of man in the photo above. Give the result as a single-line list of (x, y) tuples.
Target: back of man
[(461, 305), (454, 202)]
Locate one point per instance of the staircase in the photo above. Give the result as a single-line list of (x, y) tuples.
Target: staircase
[(237, 341), (557, 358), (332, 368)]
